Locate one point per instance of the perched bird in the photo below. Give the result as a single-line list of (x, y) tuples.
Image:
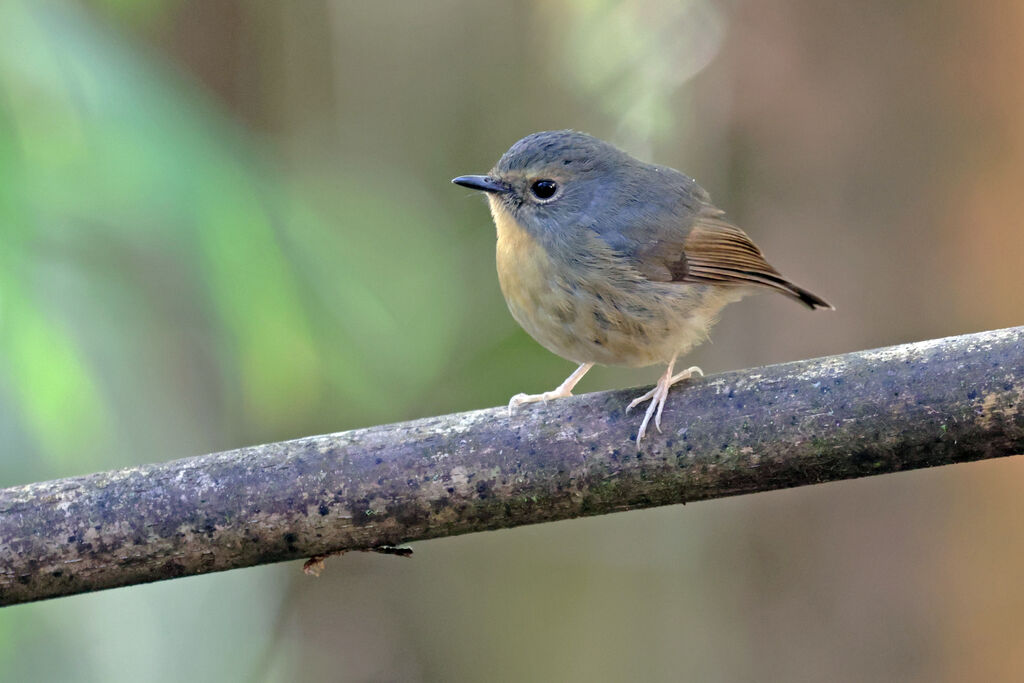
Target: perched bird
[(603, 258)]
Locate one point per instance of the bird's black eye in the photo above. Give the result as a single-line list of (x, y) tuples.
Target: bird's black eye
[(544, 189)]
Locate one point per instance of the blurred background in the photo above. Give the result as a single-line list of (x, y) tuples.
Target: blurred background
[(230, 222)]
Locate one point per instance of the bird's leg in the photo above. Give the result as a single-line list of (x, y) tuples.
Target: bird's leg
[(564, 389), (658, 394)]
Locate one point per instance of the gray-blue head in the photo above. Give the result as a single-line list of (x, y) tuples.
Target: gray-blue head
[(550, 181)]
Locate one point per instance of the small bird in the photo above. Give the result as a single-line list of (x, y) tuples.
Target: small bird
[(605, 259)]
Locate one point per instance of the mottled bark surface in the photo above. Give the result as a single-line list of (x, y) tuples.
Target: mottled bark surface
[(917, 405)]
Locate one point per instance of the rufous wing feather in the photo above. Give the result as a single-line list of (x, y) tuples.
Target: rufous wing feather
[(716, 252)]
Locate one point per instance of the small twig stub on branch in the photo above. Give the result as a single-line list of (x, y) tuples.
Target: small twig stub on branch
[(314, 566)]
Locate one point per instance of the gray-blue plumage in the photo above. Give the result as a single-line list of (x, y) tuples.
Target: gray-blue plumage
[(658, 219), (603, 258)]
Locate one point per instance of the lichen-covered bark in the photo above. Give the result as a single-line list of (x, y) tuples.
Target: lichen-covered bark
[(916, 405)]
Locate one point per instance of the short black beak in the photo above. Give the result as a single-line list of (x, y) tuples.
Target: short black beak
[(482, 183)]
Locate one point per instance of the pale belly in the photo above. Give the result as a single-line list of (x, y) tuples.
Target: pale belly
[(601, 311)]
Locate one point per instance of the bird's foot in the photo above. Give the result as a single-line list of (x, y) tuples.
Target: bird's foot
[(657, 397), (520, 399), (563, 390)]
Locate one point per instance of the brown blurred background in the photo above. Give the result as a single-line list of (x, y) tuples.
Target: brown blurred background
[(230, 222)]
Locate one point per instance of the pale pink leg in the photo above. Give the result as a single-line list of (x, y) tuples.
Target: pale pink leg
[(564, 389), (658, 394)]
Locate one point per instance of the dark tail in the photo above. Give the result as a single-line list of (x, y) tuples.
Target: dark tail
[(812, 301)]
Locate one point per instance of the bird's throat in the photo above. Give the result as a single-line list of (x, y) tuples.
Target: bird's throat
[(525, 271)]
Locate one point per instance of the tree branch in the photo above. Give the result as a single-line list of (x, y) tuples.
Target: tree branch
[(917, 405)]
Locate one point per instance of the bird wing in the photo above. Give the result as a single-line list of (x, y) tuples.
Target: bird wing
[(711, 250)]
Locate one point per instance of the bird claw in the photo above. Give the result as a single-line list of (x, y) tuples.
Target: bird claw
[(561, 391), (520, 399), (657, 396), (640, 399), (516, 401)]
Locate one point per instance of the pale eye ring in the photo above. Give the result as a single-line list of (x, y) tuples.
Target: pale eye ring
[(544, 188)]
